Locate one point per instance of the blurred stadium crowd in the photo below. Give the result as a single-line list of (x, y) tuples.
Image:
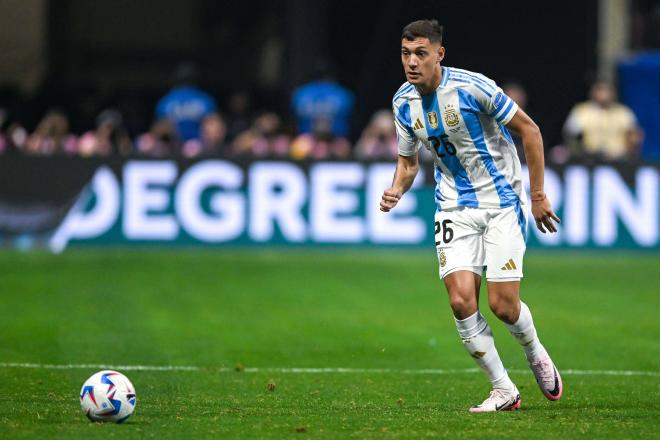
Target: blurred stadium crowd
[(189, 123)]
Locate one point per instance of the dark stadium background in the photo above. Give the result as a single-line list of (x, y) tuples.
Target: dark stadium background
[(128, 49)]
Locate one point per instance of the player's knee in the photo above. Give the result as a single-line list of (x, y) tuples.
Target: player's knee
[(504, 308), (463, 304), (462, 294)]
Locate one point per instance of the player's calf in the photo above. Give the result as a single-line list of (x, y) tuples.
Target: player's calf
[(544, 369), (478, 340)]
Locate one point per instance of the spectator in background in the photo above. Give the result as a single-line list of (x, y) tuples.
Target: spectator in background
[(109, 138), (211, 138), (378, 140), (320, 144), (16, 136), (161, 140), (238, 114), (323, 102), (263, 139), (602, 128), (185, 105), (51, 136)]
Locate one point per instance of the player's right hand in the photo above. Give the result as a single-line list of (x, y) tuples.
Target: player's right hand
[(389, 200)]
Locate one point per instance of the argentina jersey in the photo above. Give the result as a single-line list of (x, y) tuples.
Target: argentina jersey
[(462, 124)]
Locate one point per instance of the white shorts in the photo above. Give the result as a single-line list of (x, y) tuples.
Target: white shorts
[(478, 239)]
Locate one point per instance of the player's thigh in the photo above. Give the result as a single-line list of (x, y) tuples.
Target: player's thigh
[(505, 244), (458, 242)]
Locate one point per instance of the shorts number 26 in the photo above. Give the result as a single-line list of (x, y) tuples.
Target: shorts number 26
[(443, 232)]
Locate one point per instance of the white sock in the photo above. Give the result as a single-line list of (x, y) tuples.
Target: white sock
[(525, 333), (480, 344)]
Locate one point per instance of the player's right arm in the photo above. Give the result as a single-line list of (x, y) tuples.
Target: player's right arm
[(406, 170), (408, 163)]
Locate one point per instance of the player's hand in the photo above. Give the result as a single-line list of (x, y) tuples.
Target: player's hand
[(543, 213), (389, 200)]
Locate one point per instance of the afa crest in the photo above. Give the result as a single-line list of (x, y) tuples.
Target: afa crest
[(433, 119), (451, 117)]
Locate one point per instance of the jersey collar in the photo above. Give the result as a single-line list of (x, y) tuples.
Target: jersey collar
[(445, 77)]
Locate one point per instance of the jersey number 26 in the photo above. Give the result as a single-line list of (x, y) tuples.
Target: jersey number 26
[(442, 144)]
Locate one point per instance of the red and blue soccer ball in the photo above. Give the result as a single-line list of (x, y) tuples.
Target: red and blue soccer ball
[(107, 396)]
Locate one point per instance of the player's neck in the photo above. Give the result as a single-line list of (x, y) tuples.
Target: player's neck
[(432, 85)]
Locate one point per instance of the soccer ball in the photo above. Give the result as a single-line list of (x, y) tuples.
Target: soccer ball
[(107, 396)]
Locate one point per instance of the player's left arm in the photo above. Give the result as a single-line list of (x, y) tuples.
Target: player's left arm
[(530, 134)]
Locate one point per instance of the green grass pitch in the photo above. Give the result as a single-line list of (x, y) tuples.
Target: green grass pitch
[(362, 309)]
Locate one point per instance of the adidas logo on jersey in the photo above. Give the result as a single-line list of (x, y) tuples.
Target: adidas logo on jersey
[(418, 125), (510, 265)]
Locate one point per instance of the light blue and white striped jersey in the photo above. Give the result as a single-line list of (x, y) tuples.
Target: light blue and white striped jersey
[(462, 124)]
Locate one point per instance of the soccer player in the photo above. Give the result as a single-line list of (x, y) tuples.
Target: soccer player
[(464, 119)]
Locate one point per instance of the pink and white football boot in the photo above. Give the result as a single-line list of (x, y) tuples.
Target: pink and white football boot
[(548, 378)]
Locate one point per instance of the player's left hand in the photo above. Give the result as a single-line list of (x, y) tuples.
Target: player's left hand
[(543, 214)]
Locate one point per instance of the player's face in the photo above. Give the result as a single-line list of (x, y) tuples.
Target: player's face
[(421, 60)]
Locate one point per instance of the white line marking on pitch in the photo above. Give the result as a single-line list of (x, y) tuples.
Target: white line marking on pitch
[(100, 367), (430, 371)]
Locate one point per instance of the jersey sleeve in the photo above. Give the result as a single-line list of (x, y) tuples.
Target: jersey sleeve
[(408, 144), (502, 108), (493, 100)]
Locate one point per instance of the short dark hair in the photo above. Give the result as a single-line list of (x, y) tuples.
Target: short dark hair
[(430, 29)]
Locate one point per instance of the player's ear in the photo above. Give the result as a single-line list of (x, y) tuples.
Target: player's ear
[(441, 53)]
